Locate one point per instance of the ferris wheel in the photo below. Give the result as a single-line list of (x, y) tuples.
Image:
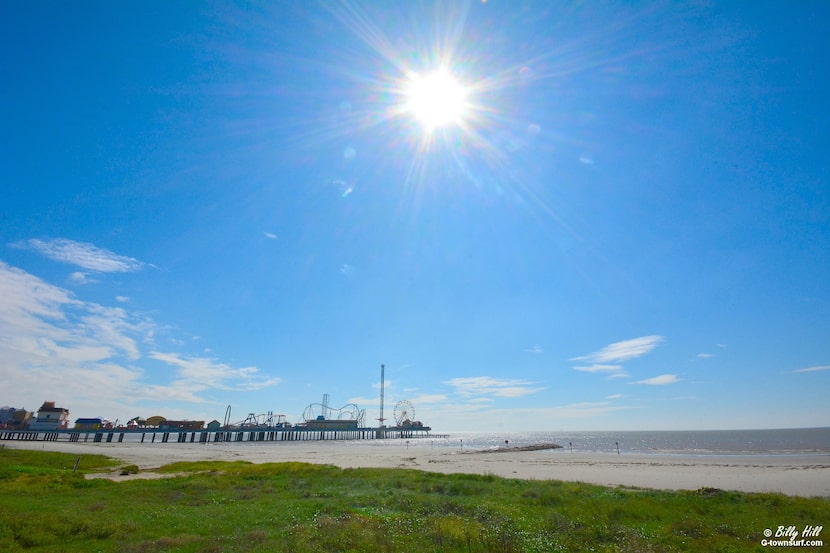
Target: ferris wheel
[(404, 413)]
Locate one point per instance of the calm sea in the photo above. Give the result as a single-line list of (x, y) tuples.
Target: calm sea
[(691, 442)]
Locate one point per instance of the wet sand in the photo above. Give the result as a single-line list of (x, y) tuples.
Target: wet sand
[(801, 475)]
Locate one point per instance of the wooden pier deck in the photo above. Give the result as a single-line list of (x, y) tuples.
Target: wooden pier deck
[(152, 436)]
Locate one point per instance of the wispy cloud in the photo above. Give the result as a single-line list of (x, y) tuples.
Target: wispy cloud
[(661, 380), (203, 373), (614, 396), (387, 383), (429, 398), (535, 349), (621, 374), (599, 368), (704, 355), (82, 254), (488, 386), (270, 235), (607, 360), (813, 369), (622, 351), (615, 376), (80, 277)]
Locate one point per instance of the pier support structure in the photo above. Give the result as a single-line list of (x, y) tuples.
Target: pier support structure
[(288, 434)]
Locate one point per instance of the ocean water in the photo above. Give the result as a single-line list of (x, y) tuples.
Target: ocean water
[(796, 441)]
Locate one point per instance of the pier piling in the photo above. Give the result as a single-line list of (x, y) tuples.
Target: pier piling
[(288, 434)]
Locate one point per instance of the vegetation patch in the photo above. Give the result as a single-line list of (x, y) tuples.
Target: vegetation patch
[(304, 508), (129, 469)]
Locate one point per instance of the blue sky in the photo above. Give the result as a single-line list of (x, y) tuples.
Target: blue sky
[(222, 204)]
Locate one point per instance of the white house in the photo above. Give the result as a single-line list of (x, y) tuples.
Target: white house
[(50, 417)]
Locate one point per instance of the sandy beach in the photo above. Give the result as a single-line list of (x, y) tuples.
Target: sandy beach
[(801, 475)]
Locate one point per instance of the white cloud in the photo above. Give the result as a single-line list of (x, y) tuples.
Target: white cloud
[(535, 349), (704, 355), (122, 299), (480, 401), (621, 374), (112, 325), (387, 383), (175, 392), (600, 368), (79, 277), (84, 255), (487, 386), (614, 396), (26, 299), (45, 322), (55, 346), (622, 351), (661, 380), (270, 235), (202, 372), (429, 398), (813, 369), (88, 356)]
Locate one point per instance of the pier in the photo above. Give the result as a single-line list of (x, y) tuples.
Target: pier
[(223, 435)]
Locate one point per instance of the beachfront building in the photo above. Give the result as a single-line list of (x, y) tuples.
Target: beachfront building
[(7, 415), (93, 423), (12, 417), (214, 425), (19, 419), (50, 417), (153, 422)]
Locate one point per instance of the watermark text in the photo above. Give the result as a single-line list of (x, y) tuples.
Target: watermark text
[(793, 536)]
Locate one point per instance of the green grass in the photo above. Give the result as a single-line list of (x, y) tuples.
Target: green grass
[(296, 507), (15, 462)]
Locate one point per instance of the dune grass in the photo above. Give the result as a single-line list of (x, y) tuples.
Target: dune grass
[(297, 507)]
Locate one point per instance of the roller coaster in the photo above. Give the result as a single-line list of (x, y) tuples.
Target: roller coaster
[(265, 421), (322, 411)]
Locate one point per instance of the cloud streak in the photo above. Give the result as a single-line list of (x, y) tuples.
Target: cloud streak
[(82, 254), (622, 351), (600, 368), (487, 386), (813, 369), (661, 380)]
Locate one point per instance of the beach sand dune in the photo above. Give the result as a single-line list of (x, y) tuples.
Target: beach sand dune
[(801, 475)]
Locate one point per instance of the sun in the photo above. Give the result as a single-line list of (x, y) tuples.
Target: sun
[(436, 100)]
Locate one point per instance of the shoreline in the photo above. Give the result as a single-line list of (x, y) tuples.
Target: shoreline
[(806, 475)]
